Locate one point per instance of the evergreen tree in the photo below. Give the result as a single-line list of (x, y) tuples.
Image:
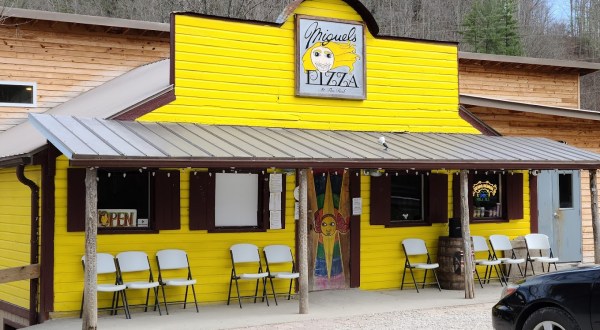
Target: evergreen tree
[(491, 27)]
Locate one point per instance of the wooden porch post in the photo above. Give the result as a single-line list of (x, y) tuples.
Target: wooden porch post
[(595, 215), (90, 305), (303, 242), (466, 234)]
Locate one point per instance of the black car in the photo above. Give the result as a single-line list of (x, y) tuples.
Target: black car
[(565, 299)]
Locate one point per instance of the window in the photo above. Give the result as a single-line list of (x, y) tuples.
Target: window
[(409, 199), (18, 94), (236, 200), (232, 201), (129, 200), (487, 196), (565, 190), (492, 197), (123, 199)]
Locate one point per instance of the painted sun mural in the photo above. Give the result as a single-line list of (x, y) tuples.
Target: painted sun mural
[(330, 231)]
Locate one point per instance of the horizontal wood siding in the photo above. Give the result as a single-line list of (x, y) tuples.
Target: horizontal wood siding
[(382, 259), (498, 81), (580, 133), (15, 221), (235, 73), (66, 60), (208, 253)]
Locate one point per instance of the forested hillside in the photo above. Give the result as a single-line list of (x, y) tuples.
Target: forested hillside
[(513, 27)]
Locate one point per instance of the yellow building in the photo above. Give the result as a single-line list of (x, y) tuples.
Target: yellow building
[(211, 160)]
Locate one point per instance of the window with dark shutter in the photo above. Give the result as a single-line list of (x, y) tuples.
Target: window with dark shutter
[(213, 193), (409, 199), (493, 197)]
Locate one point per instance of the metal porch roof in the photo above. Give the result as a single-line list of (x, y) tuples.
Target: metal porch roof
[(112, 143)]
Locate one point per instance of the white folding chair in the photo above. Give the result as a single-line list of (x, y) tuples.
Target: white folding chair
[(414, 247), (105, 264), (280, 256), (247, 255), (175, 260), (137, 264), (480, 245), (501, 243), (539, 243)]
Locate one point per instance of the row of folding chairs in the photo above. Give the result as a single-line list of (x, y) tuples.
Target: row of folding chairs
[(500, 254), (135, 264), (245, 257)]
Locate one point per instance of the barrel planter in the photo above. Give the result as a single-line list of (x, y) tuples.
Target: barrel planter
[(452, 268)]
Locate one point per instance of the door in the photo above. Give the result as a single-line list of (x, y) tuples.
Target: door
[(559, 205), (329, 229)]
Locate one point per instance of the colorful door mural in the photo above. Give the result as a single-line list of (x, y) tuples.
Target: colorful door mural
[(329, 229)]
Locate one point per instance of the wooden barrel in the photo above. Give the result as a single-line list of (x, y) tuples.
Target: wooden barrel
[(452, 268)]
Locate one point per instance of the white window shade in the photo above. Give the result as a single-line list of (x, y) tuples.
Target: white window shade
[(236, 200)]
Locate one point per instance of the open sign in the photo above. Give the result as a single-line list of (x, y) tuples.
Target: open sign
[(117, 218)]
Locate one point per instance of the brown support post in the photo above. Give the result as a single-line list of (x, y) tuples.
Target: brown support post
[(90, 304), (595, 215), (303, 243), (466, 234)]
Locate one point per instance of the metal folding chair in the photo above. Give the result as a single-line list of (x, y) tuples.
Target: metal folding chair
[(539, 243), (105, 264), (243, 256), (480, 245), (414, 247), (277, 256), (138, 262), (501, 244), (175, 260)]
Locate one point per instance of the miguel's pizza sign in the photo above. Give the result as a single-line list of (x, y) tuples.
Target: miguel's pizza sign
[(330, 58)]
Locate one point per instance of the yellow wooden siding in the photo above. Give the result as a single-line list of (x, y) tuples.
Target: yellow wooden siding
[(235, 73), (15, 221), (66, 60), (208, 253), (381, 255)]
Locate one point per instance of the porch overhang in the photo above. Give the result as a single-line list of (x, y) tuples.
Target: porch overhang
[(91, 142)]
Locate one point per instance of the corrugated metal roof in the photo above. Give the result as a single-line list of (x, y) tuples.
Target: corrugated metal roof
[(103, 101), (97, 142), (492, 102)]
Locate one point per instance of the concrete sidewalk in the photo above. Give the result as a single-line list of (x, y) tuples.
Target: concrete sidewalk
[(322, 305)]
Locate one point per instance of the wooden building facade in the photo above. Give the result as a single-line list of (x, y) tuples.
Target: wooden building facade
[(237, 123), (519, 96)]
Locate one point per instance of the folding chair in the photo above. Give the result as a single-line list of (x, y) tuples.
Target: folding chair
[(248, 256), (501, 243), (416, 247), (137, 263), (541, 243), (480, 245), (173, 259), (105, 264), (280, 255)]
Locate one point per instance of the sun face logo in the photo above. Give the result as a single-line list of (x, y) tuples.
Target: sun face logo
[(322, 58), (326, 56)]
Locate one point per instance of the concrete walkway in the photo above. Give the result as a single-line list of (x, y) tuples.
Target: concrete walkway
[(322, 305)]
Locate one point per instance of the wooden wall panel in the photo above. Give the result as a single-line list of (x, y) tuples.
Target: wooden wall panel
[(66, 60), (15, 221), (554, 89), (236, 73), (580, 133)]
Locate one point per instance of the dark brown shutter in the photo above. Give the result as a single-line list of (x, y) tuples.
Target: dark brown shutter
[(76, 199), (202, 189), (437, 198), (165, 206), (381, 200), (514, 195)]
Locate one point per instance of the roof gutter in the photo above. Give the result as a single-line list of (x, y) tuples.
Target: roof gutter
[(34, 241), (391, 164)]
